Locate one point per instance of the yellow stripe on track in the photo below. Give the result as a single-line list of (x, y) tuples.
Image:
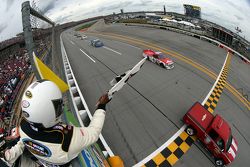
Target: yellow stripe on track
[(187, 60), (182, 143), (214, 97), (173, 152)]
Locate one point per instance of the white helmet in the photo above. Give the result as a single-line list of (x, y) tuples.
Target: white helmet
[(42, 104)]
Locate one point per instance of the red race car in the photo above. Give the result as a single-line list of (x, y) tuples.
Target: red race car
[(158, 58)]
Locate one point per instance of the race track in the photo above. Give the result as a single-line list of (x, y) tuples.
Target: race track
[(148, 111)]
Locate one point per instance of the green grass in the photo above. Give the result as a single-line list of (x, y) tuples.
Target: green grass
[(70, 117), (85, 26)]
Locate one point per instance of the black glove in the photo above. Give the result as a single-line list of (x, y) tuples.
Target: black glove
[(103, 100)]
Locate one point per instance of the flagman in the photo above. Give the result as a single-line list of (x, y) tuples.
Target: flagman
[(51, 142)]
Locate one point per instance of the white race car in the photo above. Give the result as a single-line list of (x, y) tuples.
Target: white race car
[(158, 58)]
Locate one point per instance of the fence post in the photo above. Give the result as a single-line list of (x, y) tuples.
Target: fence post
[(53, 55), (28, 37)]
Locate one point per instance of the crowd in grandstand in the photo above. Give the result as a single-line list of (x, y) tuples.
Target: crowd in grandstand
[(12, 71), (43, 47), (14, 68)]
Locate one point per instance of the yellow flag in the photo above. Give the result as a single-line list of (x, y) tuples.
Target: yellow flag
[(48, 74)]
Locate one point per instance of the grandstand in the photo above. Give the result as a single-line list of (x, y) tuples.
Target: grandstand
[(15, 69), (13, 41)]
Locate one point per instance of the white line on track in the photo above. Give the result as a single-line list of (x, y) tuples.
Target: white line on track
[(87, 55), (218, 78), (72, 42), (112, 50), (153, 154)]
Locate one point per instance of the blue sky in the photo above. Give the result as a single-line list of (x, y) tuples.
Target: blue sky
[(228, 13)]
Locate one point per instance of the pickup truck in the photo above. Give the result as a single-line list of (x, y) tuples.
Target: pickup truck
[(213, 131)]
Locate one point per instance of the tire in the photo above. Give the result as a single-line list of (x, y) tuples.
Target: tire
[(190, 131), (219, 163), (148, 58), (162, 65)]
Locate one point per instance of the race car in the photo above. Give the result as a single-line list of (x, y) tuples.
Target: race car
[(83, 37), (96, 43), (158, 58), (77, 35)]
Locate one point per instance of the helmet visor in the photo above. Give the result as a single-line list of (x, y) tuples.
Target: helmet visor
[(58, 105)]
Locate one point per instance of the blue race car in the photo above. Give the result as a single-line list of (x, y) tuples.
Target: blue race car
[(96, 43)]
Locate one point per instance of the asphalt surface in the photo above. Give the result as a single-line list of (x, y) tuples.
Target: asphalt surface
[(148, 111)]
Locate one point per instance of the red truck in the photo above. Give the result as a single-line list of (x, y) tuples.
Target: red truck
[(213, 131)]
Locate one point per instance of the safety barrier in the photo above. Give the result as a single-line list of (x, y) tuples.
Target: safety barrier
[(221, 45), (81, 108)]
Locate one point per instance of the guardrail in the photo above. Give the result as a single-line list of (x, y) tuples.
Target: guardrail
[(225, 47), (81, 108)]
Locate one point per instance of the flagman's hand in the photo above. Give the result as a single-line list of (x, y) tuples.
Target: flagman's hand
[(103, 100)]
